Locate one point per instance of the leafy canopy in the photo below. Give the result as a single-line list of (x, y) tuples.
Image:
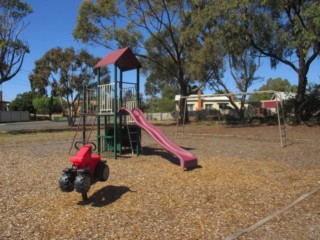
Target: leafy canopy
[(284, 31), (64, 73), (12, 47), (23, 102), (157, 31), (276, 84)]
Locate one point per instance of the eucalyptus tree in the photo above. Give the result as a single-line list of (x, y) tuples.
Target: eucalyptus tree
[(12, 47), (243, 69), (286, 32), (155, 30), (275, 84), (226, 63), (64, 73)]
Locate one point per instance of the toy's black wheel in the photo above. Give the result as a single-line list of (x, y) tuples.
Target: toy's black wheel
[(104, 173), (82, 183), (66, 182)]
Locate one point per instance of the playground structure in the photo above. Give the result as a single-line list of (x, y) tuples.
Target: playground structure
[(108, 106), (112, 107), (105, 101)]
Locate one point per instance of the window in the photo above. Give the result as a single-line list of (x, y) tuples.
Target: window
[(223, 105), (208, 107), (190, 107)]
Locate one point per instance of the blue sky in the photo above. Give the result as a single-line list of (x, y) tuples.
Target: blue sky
[(51, 25)]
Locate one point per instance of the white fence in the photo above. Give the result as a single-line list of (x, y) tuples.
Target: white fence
[(107, 97), (159, 116), (13, 116)]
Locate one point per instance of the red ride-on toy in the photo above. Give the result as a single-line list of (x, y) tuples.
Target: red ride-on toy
[(87, 168)]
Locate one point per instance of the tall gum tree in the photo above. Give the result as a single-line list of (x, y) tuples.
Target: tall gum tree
[(65, 72), (12, 48), (155, 31), (286, 31)]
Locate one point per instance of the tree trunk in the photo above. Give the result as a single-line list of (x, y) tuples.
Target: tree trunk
[(240, 111), (71, 115), (184, 116), (300, 98)]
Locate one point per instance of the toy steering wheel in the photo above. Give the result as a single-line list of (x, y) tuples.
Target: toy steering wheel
[(78, 144)]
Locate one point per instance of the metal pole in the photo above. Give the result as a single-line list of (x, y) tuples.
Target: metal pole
[(115, 113), (138, 103), (120, 116), (97, 112), (138, 88), (84, 116)]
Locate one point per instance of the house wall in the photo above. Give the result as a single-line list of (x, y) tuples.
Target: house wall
[(3, 106), (192, 104), (214, 104)]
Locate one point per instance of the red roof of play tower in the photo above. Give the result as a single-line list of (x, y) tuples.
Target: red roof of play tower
[(124, 58)]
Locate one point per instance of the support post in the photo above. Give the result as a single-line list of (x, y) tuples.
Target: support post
[(138, 102), (120, 117), (84, 116), (138, 88), (115, 113), (97, 112)]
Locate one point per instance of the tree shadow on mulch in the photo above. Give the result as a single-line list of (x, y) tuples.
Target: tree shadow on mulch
[(105, 196)]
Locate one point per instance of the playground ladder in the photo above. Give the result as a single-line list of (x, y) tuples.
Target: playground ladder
[(281, 123), (130, 140)]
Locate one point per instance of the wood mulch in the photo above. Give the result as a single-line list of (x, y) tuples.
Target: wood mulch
[(244, 177)]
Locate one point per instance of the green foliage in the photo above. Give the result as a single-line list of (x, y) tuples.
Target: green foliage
[(98, 22), (47, 105), (156, 104), (12, 48), (243, 68), (285, 31), (159, 32), (276, 84), (23, 102), (165, 105), (64, 72), (41, 104), (183, 43), (149, 105), (311, 106)]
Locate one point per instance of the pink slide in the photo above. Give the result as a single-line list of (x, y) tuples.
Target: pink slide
[(187, 159)]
